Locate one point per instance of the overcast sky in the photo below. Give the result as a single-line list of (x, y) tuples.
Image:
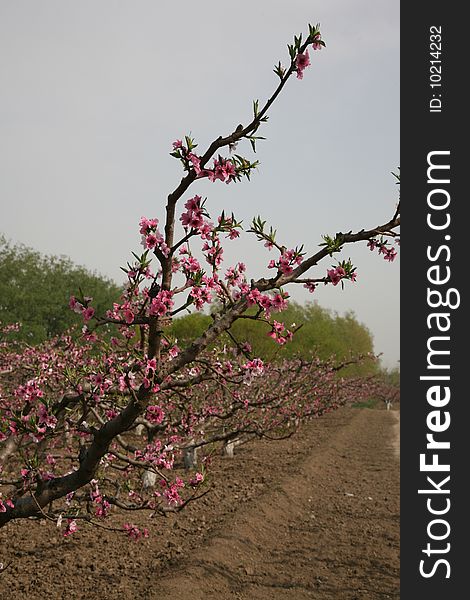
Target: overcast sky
[(94, 92)]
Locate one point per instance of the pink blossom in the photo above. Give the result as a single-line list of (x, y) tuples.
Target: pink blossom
[(75, 305), (96, 379), (151, 365), (71, 527), (205, 230), (193, 204), (196, 480), (134, 532), (192, 219), (147, 224), (172, 495), (280, 302), (88, 313), (128, 316), (390, 254), (125, 381), (310, 286), (200, 296), (316, 42), (155, 414), (161, 304), (195, 161), (302, 62), (190, 264), (102, 509), (150, 241), (255, 366), (253, 296), (174, 351), (265, 301), (335, 275), (45, 418)]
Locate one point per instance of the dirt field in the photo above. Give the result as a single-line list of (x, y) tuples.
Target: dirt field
[(313, 516)]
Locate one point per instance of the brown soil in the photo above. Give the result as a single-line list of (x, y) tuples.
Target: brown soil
[(313, 516)]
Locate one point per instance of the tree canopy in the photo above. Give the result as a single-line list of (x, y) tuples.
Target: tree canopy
[(320, 332), (35, 291)]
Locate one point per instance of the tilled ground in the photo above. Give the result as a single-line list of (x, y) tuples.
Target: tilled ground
[(313, 516)]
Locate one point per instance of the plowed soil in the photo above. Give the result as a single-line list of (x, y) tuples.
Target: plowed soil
[(312, 516)]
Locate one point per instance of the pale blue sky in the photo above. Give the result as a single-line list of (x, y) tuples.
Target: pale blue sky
[(94, 92)]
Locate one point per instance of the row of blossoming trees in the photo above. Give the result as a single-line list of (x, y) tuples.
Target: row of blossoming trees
[(70, 408)]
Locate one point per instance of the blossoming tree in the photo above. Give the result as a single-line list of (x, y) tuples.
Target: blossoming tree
[(69, 409)]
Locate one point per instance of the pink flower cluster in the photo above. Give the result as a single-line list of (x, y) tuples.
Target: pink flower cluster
[(196, 480), (236, 275), (223, 169), (100, 385), (389, 253), (4, 504), (171, 491), (155, 414), (134, 532), (255, 367), (200, 296), (267, 302), (287, 261), (213, 251), (44, 418), (161, 304), (310, 286), (10, 328), (316, 44), (193, 217), (190, 265), (227, 224), (302, 60), (152, 238), (30, 392), (280, 333), (71, 527), (102, 505), (83, 309), (155, 454), (37, 420), (335, 275)]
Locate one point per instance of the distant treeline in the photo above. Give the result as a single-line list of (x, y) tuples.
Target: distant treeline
[(35, 291), (319, 331)]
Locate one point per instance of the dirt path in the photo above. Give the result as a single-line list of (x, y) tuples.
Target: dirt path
[(314, 516), (324, 532)]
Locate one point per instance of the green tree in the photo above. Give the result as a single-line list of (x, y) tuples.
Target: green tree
[(35, 291), (319, 331)]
